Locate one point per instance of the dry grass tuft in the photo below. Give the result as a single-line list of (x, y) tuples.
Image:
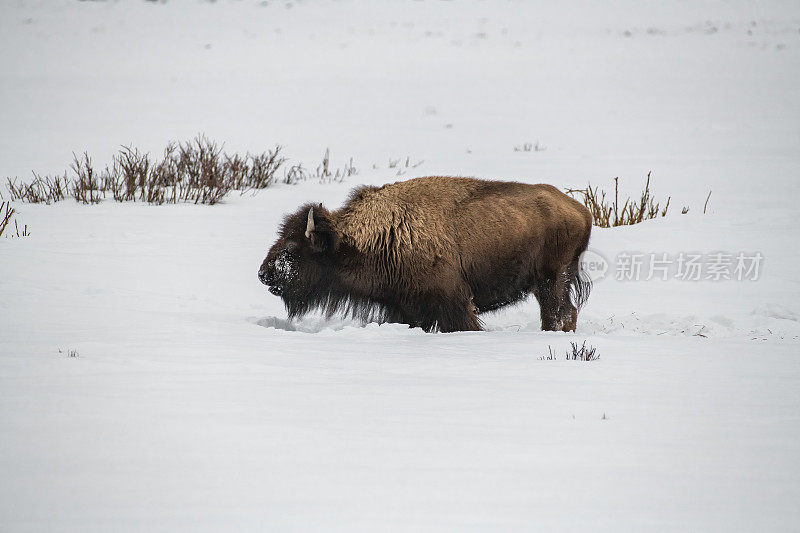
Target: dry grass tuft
[(574, 353), (583, 353), (530, 147), (402, 166), (325, 175)]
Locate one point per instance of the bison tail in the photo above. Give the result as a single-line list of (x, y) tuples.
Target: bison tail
[(580, 285)]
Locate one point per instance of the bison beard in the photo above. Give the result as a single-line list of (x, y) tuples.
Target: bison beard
[(434, 252)]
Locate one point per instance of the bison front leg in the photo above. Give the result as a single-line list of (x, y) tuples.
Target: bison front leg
[(549, 292), (458, 316), (448, 313)]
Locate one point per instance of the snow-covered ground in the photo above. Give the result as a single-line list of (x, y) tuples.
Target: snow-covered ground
[(194, 405)]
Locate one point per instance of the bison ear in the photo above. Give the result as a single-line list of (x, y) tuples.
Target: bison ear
[(318, 244), (322, 240), (320, 233)]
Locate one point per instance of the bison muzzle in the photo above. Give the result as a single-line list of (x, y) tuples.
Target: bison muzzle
[(434, 253)]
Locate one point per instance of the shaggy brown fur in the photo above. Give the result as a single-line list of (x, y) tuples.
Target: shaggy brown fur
[(435, 252)]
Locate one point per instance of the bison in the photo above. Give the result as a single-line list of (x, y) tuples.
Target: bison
[(434, 253)]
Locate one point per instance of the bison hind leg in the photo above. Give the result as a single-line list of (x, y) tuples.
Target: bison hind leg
[(568, 316), (554, 292), (577, 289), (580, 285)]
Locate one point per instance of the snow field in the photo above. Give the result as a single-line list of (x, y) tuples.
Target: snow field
[(192, 404)]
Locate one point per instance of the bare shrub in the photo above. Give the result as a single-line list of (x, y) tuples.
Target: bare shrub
[(201, 175), (130, 175), (6, 216), (198, 171), (86, 187), (295, 174), (254, 171), (608, 213), (45, 190)]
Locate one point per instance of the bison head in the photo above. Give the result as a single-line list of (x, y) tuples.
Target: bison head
[(300, 266)]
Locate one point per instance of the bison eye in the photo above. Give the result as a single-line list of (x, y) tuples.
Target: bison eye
[(292, 246)]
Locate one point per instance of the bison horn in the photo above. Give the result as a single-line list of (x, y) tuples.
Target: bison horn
[(310, 226)]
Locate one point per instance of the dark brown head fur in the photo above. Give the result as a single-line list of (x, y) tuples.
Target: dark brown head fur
[(434, 252)]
